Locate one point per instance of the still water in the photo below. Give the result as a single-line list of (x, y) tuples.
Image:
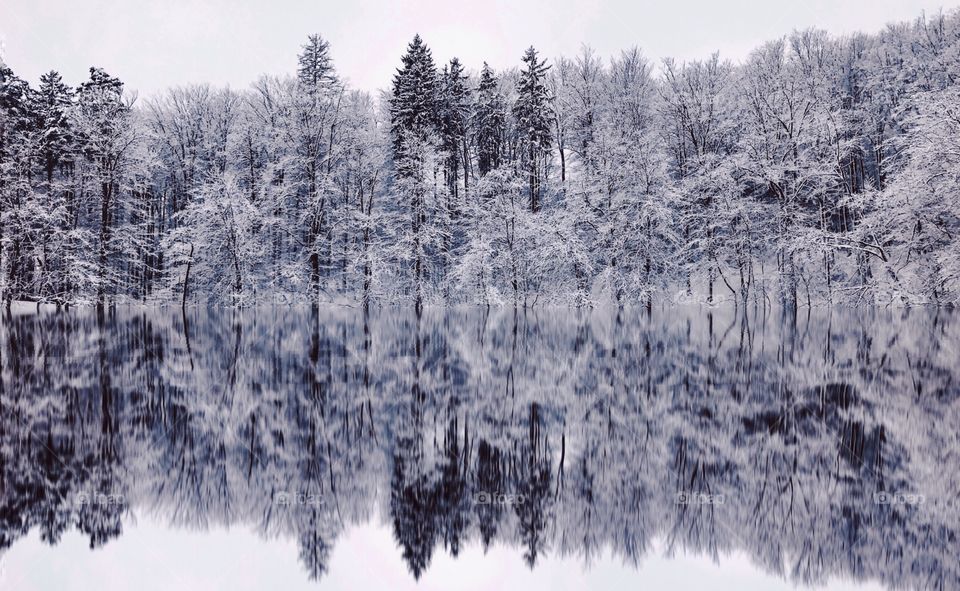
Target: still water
[(474, 448)]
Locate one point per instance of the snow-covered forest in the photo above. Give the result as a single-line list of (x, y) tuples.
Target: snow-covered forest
[(303, 423), (817, 170)]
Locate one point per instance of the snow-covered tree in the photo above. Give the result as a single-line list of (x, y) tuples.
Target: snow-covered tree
[(488, 123), (797, 174), (532, 113)]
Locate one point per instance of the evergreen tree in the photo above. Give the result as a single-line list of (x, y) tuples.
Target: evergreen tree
[(314, 124), (13, 100), (413, 106), (488, 122), (55, 213), (532, 112), (414, 120), (52, 104), (454, 113), (316, 66), (15, 185), (105, 134)]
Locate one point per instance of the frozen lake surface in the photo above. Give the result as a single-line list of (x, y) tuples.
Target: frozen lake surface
[(471, 448)]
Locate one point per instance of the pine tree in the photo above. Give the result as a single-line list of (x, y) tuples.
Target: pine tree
[(52, 103), (414, 120), (13, 100), (454, 113), (50, 109), (315, 123), (532, 111), (316, 66), (15, 155), (103, 127), (413, 107), (488, 122)]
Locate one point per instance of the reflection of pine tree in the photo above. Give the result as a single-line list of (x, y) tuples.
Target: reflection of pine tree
[(100, 516), (452, 501), (533, 482), (315, 545), (489, 479), (413, 506)]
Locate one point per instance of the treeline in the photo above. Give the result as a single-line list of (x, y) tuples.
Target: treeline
[(819, 170)]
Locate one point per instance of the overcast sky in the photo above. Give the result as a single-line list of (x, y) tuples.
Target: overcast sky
[(154, 45)]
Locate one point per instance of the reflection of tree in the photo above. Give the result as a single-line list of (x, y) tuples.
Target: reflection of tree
[(295, 422), (452, 502), (413, 505), (412, 495), (489, 478), (533, 483), (315, 544)]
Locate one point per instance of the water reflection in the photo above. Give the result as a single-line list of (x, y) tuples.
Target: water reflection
[(822, 446)]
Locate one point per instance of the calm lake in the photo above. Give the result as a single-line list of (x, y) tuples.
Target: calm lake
[(294, 448)]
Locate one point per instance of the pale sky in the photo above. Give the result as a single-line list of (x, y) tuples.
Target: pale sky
[(154, 45)]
